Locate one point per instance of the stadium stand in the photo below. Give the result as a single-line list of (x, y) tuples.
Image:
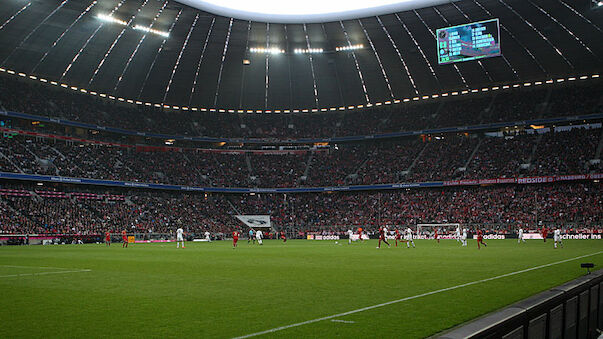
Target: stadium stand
[(513, 105), (59, 209), (468, 156)]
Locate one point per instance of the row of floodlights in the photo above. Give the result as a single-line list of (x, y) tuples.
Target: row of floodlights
[(109, 18), (270, 50), (307, 50), (278, 50), (349, 48), (307, 110)]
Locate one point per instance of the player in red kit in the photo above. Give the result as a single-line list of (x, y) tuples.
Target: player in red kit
[(480, 239), (108, 238), (124, 238), (435, 235), (382, 236), (360, 234), (284, 236), (544, 232), (398, 237), (235, 238)]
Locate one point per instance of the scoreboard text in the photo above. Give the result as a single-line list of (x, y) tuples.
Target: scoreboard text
[(469, 42)]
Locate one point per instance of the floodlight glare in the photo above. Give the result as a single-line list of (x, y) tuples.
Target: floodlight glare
[(307, 11), (151, 30), (349, 48), (270, 50), (109, 18), (308, 50)]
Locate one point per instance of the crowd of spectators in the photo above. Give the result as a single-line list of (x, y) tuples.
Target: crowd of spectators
[(568, 154), (460, 110), (442, 157), (502, 208), (502, 157), (436, 158), (278, 170)]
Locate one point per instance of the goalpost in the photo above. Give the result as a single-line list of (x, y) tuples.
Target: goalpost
[(445, 229)]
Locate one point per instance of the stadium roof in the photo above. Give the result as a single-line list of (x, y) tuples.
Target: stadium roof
[(164, 52)]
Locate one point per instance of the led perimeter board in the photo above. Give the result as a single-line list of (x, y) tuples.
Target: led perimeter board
[(472, 41)]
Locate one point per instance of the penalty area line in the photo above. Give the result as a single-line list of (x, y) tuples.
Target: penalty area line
[(276, 329), (48, 267), (42, 273)]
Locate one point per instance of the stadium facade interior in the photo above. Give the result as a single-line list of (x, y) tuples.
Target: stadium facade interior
[(151, 115)]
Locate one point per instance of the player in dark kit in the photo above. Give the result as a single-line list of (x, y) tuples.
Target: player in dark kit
[(382, 235), (107, 238), (235, 239), (480, 239), (124, 238)]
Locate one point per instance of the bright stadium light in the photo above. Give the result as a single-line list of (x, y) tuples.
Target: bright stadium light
[(151, 30), (308, 50), (349, 48), (307, 11), (109, 18), (270, 50)]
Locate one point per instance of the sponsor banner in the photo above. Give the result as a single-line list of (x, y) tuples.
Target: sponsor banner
[(492, 236), (354, 237), (532, 236), (431, 237), (535, 180), (200, 240), (324, 237), (491, 181), (102, 182), (149, 241), (572, 177), (580, 236), (255, 221)]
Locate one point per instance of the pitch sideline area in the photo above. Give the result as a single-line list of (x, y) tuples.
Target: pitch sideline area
[(209, 289), (409, 298)]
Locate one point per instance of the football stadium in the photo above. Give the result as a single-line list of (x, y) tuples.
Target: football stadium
[(301, 169)]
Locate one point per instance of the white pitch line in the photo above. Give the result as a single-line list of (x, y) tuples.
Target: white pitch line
[(49, 267), (276, 329), (342, 321), (41, 273)]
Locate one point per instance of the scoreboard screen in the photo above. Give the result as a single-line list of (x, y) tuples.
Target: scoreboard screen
[(472, 41)]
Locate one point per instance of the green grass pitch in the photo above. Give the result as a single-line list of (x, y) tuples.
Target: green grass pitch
[(211, 290)]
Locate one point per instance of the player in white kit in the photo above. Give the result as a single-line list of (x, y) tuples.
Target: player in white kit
[(179, 237), (207, 236), (457, 234), (557, 237), (520, 236), (464, 237), (350, 232), (258, 236), (409, 238)]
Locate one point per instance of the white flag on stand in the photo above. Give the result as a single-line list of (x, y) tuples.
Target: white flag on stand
[(255, 221)]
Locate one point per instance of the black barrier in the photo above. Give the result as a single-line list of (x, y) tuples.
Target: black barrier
[(572, 310)]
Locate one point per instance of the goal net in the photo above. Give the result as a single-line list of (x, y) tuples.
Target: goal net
[(445, 231)]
